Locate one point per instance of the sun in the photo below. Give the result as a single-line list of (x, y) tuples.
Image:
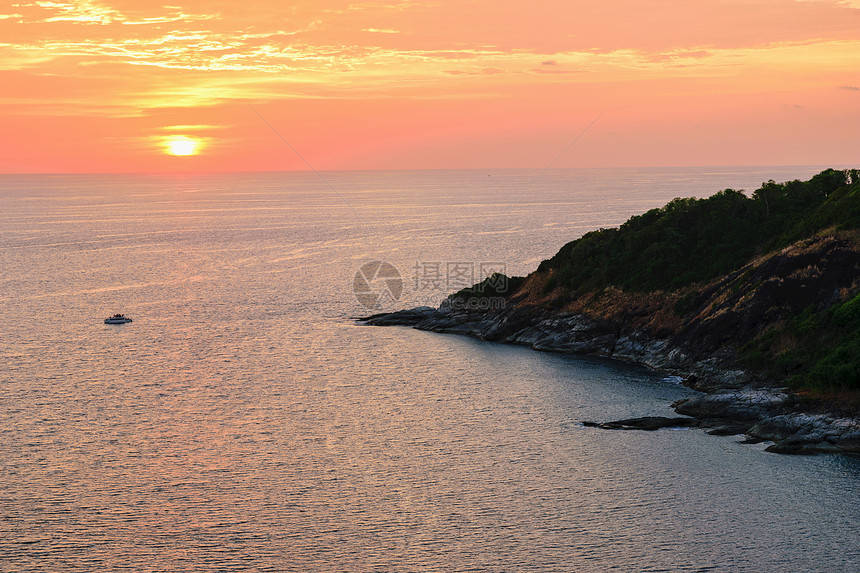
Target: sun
[(181, 145)]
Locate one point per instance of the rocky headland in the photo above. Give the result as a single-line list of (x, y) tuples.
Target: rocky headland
[(770, 333)]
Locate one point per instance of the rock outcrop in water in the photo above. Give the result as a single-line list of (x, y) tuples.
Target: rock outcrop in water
[(788, 315)]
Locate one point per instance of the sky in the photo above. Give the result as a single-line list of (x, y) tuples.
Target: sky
[(138, 86)]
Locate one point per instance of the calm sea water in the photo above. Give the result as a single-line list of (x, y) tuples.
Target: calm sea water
[(244, 422)]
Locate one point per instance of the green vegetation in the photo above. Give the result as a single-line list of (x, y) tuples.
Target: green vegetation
[(817, 350), (693, 240), (495, 285), (682, 246), (692, 254)]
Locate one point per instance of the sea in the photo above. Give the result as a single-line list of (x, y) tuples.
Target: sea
[(245, 421)]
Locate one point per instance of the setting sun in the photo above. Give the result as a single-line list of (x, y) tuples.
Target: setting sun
[(181, 145)]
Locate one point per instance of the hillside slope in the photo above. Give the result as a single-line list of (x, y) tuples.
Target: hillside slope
[(769, 282), (742, 296)]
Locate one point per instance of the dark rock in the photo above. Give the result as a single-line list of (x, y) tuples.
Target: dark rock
[(744, 405), (408, 317), (792, 447), (726, 428), (647, 423)]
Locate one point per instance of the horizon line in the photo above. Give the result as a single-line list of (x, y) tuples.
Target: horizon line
[(493, 169)]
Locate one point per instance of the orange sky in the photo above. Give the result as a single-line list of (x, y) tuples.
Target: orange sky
[(101, 86)]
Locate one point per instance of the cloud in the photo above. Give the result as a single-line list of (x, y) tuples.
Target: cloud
[(12, 57), (546, 71), (89, 13), (83, 12), (200, 127), (349, 54), (476, 72), (849, 88), (679, 55)]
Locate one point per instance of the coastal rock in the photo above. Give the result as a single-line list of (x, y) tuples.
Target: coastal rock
[(647, 423), (728, 408), (768, 415), (791, 433), (408, 317), (745, 405), (570, 333), (799, 433)]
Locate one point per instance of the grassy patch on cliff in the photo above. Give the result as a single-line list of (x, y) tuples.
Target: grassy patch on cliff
[(818, 350)]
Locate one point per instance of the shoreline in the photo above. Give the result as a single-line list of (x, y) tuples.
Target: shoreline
[(733, 403)]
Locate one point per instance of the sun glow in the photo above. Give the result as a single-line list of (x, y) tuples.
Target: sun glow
[(181, 145)]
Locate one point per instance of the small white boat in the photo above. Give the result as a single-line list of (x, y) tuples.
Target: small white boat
[(117, 319)]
